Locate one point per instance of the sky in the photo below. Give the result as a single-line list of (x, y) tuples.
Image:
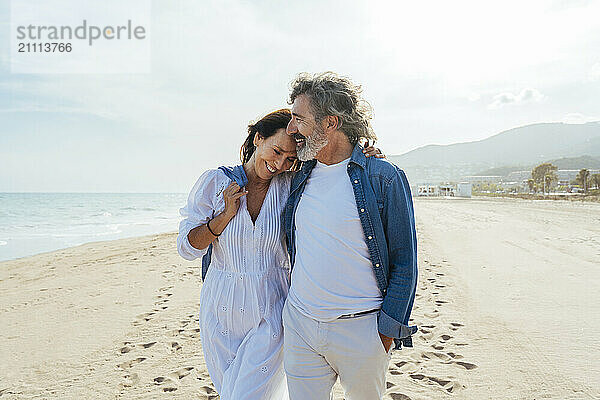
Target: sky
[(435, 72)]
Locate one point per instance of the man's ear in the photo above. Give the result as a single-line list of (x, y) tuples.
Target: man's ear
[(331, 123)]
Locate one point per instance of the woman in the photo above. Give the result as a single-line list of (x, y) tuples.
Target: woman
[(247, 282)]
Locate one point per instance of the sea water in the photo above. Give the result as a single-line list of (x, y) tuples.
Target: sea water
[(32, 223)]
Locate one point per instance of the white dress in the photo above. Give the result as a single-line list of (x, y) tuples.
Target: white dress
[(244, 291)]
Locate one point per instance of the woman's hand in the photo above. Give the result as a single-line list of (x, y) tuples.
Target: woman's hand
[(202, 236), (231, 195), (371, 150)]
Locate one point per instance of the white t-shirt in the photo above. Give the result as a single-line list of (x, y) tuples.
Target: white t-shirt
[(332, 274)]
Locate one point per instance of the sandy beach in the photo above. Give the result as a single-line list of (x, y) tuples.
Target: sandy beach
[(507, 305)]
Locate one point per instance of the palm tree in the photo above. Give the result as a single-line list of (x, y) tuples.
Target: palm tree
[(582, 179), (596, 180), (544, 175)]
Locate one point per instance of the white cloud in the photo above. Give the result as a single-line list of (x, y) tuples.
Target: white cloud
[(577, 118), (527, 95)]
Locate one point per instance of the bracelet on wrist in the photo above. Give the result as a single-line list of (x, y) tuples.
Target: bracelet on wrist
[(210, 230)]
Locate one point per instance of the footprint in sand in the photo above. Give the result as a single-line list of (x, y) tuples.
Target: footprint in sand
[(176, 332), (181, 373), (432, 355), (207, 390), (131, 363), (143, 317), (425, 336), (399, 396), (161, 380), (455, 326), (195, 333), (130, 380), (126, 349), (466, 365), (403, 367), (175, 346), (147, 345), (449, 385)]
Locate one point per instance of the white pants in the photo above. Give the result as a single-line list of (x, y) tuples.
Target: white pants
[(315, 353)]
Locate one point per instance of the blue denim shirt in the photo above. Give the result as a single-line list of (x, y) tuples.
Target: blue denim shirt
[(382, 191), (238, 175)]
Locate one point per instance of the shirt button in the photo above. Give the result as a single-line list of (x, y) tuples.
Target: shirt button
[(362, 210), (377, 265), (370, 237), (355, 181)]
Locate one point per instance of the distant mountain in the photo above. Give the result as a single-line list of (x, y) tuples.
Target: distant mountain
[(577, 162), (561, 163), (524, 146), (502, 171)]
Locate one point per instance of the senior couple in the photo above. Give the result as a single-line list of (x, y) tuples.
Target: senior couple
[(309, 253)]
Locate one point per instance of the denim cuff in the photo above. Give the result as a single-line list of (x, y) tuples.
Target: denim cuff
[(389, 327)]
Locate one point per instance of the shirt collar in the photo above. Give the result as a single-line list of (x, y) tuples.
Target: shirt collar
[(358, 157)]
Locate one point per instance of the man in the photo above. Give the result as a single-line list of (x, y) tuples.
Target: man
[(351, 237)]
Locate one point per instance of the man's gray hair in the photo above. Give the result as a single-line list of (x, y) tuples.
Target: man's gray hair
[(332, 94)]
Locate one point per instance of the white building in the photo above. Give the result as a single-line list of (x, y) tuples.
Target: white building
[(428, 190), (464, 189)]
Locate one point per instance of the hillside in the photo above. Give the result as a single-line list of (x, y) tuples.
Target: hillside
[(525, 146)]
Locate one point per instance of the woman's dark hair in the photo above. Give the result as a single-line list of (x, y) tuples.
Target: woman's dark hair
[(265, 127)]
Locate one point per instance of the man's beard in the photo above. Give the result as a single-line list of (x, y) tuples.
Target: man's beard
[(313, 144)]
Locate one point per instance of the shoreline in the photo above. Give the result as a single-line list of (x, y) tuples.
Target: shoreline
[(46, 252)]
